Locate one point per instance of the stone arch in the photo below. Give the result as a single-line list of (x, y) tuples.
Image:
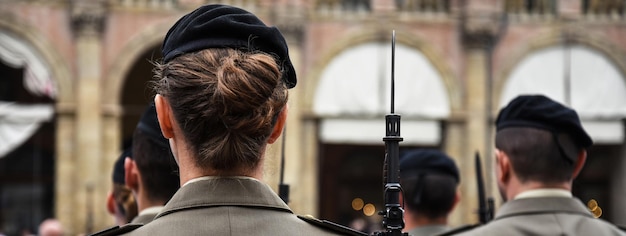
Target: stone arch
[(452, 85), (596, 87), (57, 65), (554, 38), (122, 64)]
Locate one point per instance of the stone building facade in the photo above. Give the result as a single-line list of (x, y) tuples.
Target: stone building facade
[(76, 71)]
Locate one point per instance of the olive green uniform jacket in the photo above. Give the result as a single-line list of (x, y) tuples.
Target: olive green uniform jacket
[(545, 216), (227, 206)]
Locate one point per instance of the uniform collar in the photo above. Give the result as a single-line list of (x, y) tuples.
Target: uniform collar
[(151, 210), (215, 177), (147, 215), (428, 230), (224, 191), (544, 192), (542, 205)]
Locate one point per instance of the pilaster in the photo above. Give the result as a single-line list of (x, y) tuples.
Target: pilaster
[(480, 27), (88, 19), (300, 167), (308, 169)]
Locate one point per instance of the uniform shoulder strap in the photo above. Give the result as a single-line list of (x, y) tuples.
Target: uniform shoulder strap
[(118, 230), (334, 227)]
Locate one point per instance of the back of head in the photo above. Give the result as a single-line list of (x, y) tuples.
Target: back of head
[(429, 179), (535, 155), (541, 137), (226, 88), (153, 158)]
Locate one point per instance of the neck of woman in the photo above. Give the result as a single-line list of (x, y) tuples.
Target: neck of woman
[(190, 170)]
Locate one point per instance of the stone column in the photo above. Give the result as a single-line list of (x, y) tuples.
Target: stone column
[(308, 176), (65, 167), (300, 157), (88, 24), (479, 30), (300, 174)]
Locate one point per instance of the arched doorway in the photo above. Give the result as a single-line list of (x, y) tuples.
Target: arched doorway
[(27, 137), (589, 82), (351, 100)]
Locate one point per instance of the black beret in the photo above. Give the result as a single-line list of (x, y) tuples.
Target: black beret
[(149, 126), (221, 26), (427, 161), (118, 168), (541, 112)]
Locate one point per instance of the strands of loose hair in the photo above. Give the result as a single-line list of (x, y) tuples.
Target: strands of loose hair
[(226, 102)]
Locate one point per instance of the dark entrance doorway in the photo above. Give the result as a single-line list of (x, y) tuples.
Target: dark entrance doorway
[(137, 94), (595, 181), (351, 184), (26, 171)]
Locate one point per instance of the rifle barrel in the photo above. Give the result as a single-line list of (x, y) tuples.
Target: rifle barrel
[(393, 214)]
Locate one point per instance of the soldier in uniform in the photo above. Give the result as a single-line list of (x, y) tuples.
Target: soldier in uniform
[(430, 179), (121, 203), (148, 173), (540, 149), (151, 173), (221, 99)]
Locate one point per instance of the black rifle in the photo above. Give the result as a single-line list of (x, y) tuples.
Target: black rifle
[(485, 205), (283, 189), (393, 214)]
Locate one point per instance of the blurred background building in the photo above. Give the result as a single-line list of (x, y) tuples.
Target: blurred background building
[(73, 76)]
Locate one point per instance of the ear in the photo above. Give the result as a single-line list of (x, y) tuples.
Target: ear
[(280, 124), (164, 114), (580, 162), (111, 204), (131, 175), (503, 166)]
